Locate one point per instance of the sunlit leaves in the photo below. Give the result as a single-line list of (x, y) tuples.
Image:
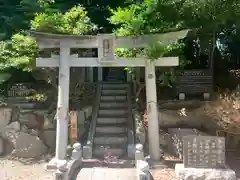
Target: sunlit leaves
[(22, 50), (75, 21)]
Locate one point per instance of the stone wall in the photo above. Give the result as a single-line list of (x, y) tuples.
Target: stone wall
[(26, 134)]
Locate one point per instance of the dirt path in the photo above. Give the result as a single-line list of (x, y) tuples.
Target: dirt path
[(14, 170)]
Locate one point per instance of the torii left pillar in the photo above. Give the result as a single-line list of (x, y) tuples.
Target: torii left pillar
[(63, 105)]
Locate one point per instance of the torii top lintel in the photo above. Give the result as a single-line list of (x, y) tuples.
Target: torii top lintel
[(48, 40)]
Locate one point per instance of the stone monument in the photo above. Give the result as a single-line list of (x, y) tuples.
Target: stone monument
[(204, 158)]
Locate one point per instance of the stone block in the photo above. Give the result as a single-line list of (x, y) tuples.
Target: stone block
[(204, 152), (49, 138), (52, 164), (5, 116), (175, 146), (131, 151), (25, 145), (31, 120), (88, 112), (81, 117), (14, 126), (1, 146), (87, 152), (183, 173)]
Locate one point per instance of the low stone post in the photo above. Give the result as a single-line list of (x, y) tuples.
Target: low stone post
[(142, 167), (139, 154), (77, 151)]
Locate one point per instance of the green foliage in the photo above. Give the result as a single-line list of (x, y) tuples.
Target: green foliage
[(40, 97), (75, 21), (22, 50), (20, 53)]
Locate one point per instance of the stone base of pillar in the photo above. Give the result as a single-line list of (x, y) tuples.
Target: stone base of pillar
[(66, 170), (87, 152), (131, 151), (52, 164), (56, 164), (155, 164), (183, 173)]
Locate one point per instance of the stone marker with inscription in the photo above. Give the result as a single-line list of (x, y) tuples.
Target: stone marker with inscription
[(19, 90), (203, 152), (18, 94), (204, 159)]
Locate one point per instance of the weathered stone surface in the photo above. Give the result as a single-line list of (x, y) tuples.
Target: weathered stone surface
[(31, 120), (1, 146), (49, 138), (203, 173), (88, 111), (141, 135), (81, 117), (14, 126), (182, 116), (5, 117), (163, 139), (107, 174), (175, 144), (25, 145), (34, 132), (48, 122), (24, 128), (204, 152)]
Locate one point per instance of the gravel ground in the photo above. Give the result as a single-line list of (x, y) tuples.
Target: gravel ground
[(14, 170), (163, 174)]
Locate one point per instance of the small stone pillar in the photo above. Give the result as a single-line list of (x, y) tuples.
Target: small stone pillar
[(139, 154), (129, 77), (100, 73), (90, 74), (77, 151), (143, 172)]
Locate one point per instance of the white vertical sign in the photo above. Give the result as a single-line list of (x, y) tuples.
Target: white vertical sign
[(106, 45)]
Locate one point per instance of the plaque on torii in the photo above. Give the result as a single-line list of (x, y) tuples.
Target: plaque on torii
[(106, 46)]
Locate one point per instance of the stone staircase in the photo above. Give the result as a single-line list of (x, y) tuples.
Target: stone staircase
[(111, 134)]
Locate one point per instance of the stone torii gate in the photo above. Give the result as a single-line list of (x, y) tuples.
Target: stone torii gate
[(105, 44)]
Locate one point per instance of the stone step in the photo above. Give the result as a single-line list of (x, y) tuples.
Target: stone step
[(113, 98), (26, 105), (117, 124), (113, 112), (110, 129), (108, 140), (113, 105), (110, 134), (118, 163), (101, 151), (114, 86), (117, 92), (105, 120)]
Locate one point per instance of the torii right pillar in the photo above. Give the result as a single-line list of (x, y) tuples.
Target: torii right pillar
[(152, 112)]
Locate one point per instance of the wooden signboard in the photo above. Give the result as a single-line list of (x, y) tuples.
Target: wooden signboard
[(73, 125)]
